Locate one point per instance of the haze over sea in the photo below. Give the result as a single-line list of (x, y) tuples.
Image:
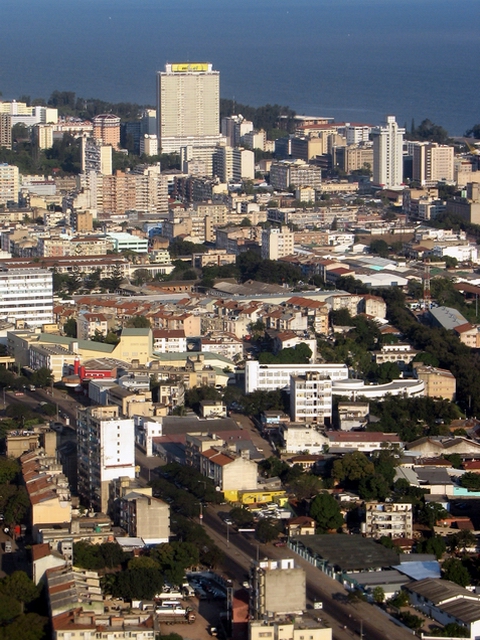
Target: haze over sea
[(354, 60)]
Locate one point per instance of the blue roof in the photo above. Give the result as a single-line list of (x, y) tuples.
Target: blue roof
[(419, 570)]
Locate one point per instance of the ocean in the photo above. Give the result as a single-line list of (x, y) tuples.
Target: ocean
[(354, 60)]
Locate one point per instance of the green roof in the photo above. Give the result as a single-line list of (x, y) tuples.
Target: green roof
[(136, 332), (183, 355), (88, 345)]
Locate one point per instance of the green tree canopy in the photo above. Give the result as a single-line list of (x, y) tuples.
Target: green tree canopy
[(324, 509), (455, 571)]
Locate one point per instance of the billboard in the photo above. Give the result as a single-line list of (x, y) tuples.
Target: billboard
[(196, 67)]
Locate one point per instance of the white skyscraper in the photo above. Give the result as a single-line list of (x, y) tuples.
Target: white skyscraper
[(188, 106), (388, 154)]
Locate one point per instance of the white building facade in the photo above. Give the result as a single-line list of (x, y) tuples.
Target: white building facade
[(388, 154), (277, 376), (26, 295)]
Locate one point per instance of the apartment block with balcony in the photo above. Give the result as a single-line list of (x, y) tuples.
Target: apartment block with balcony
[(310, 397), (394, 520)]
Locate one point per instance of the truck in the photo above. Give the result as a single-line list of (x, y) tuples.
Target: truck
[(8, 546), (175, 615)]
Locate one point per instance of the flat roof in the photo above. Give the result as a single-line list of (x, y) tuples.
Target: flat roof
[(349, 552)]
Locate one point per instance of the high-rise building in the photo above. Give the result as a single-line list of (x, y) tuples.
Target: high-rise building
[(5, 130), (26, 295), (43, 135), (432, 162), (96, 157), (9, 183), (388, 154), (106, 127), (188, 106), (105, 452)]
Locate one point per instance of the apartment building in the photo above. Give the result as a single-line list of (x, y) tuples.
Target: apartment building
[(277, 376), (310, 397), (9, 184), (234, 164), (188, 106), (169, 340), (277, 243), (432, 162), (106, 129), (228, 471), (5, 130), (26, 295), (388, 154), (96, 157), (143, 516), (105, 452), (286, 173), (391, 519), (439, 383)]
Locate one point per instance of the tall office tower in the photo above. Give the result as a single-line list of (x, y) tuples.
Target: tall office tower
[(5, 130), (106, 127), (388, 154), (105, 452), (188, 106)]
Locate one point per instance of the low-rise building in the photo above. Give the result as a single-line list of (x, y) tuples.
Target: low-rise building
[(447, 603), (439, 383), (288, 630), (391, 519)]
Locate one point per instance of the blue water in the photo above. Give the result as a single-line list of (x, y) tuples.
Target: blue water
[(355, 60)]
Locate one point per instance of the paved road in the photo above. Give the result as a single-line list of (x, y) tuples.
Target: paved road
[(242, 548)]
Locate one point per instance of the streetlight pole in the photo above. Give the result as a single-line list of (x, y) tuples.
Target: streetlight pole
[(204, 482), (228, 535)]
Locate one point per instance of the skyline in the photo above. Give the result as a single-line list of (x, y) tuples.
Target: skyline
[(351, 60)]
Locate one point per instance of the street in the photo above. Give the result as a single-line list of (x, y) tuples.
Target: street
[(346, 620)]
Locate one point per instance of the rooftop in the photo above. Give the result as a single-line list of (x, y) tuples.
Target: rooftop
[(349, 553)]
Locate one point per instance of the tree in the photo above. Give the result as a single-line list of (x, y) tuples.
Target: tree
[(241, 516), (139, 322), (9, 609), (400, 600), (470, 481), (70, 328), (434, 544), (9, 469), (352, 467), (452, 630), (461, 540), (267, 530), (455, 571), (306, 486), (27, 627), (378, 595), (431, 513), (42, 377), (474, 132), (411, 620), (325, 511), (19, 586)]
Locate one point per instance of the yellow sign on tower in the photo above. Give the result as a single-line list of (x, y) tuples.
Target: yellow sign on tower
[(196, 67)]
